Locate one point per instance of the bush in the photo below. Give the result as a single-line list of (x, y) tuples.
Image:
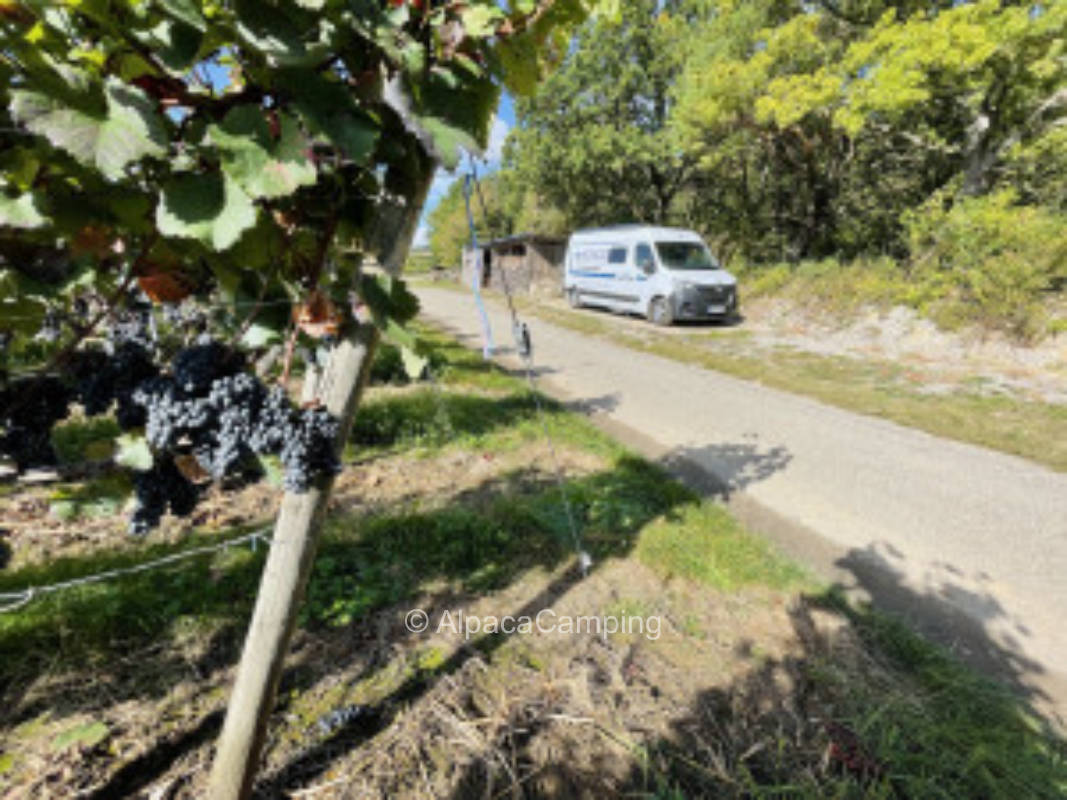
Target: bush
[(989, 261)]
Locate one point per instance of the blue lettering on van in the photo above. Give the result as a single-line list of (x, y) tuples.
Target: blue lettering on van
[(587, 274)]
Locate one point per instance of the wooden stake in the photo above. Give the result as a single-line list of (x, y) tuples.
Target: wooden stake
[(296, 533)]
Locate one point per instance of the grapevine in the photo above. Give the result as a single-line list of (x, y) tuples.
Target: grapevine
[(204, 404)]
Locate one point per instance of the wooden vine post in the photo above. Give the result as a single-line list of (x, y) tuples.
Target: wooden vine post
[(296, 537)]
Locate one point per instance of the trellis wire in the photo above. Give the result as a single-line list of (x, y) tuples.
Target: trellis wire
[(13, 601), (524, 347)]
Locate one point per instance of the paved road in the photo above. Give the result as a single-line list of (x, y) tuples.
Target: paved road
[(973, 540)]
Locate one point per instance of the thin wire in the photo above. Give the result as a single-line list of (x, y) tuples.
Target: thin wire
[(199, 305), (21, 598), (524, 347)]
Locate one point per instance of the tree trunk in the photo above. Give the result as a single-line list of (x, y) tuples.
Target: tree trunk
[(296, 532)]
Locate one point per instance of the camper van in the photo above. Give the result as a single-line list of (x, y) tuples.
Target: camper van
[(666, 274)]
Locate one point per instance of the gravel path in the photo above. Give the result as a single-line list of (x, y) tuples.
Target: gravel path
[(916, 521)]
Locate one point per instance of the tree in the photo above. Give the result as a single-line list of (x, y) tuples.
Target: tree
[(818, 126), (509, 207), (250, 153), (594, 141)]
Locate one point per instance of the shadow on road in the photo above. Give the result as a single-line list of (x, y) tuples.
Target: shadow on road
[(720, 470)]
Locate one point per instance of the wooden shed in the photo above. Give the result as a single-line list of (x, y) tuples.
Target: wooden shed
[(528, 262)]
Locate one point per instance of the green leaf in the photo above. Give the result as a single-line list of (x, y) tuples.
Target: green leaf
[(128, 130), (261, 167), (188, 11), (133, 452), (276, 34), (480, 21), (449, 141), (414, 364), (22, 211), (330, 110), (88, 735), (259, 335), (176, 44), (210, 208)]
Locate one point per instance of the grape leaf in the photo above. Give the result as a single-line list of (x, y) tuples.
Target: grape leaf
[(329, 109), (128, 130), (276, 33), (174, 43), (22, 211), (133, 452), (259, 335), (188, 11), (414, 363), (481, 20), (261, 167), (210, 207)]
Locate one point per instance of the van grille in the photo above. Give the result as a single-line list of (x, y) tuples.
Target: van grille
[(716, 294)]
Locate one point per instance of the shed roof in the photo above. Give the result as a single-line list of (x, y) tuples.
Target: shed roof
[(524, 238)]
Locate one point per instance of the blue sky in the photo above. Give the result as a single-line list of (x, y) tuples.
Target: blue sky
[(503, 122)]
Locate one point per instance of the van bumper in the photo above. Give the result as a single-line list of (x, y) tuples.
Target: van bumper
[(705, 302)]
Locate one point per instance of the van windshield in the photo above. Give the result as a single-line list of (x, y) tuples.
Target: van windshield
[(685, 255)]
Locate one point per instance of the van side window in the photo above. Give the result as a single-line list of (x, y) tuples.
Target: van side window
[(617, 255), (643, 255)]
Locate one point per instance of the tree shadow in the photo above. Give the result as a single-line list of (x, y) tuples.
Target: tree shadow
[(863, 706), (590, 406), (859, 706), (518, 534), (953, 611), (720, 470), (479, 541)]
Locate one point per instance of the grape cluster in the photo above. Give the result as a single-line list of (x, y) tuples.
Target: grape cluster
[(307, 449), (210, 407), (158, 488), (28, 409), (101, 378), (51, 327), (207, 406)]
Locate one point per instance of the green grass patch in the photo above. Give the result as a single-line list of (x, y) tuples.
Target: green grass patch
[(99, 497), (944, 731), (82, 439), (703, 543)]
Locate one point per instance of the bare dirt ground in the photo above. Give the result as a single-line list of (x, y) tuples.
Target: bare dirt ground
[(987, 361), (937, 361)]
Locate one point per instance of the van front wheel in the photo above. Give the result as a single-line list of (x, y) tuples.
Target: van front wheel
[(659, 312)]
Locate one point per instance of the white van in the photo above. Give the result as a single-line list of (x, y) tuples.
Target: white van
[(666, 274)]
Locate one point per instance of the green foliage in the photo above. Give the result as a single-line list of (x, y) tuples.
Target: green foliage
[(510, 206), (101, 497), (594, 141), (79, 440), (249, 144), (947, 731), (989, 259)]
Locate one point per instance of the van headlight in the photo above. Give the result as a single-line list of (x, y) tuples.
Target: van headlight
[(685, 286)]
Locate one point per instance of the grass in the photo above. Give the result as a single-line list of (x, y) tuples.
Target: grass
[(703, 543), (1033, 430), (895, 718), (946, 732)]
